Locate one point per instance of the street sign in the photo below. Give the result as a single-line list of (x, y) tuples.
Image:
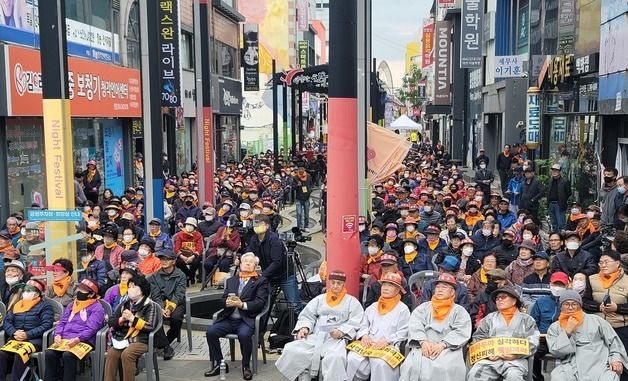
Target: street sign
[(53, 215)]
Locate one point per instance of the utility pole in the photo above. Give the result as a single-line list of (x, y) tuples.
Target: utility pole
[(57, 125), (204, 117), (343, 245), (275, 119)]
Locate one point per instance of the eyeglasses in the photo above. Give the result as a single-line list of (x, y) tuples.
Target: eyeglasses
[(605, 263), (570, 305), (502, 297)]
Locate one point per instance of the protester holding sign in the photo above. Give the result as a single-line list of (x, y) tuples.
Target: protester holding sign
[(585, 345), (26, 321), (439, 329), (384, 324), (80, 322), (506, 322)]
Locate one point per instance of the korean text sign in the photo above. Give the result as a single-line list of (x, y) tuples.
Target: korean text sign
[(508, 66), (95, 89), (471, 35), (169, 63)]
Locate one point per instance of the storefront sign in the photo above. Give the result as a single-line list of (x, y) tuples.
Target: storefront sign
[(587, 64), (559, 127), (83, 40), (250, 57), (314, 79), (303, 19), (533, 117), (58, 151), (508, 66), (560, 69), (169, 53), (96, 89), (428, 44), (442, 58), (113, 156), (446, 3), (228, 96), (303, 50), (471, 34), (208, 150)]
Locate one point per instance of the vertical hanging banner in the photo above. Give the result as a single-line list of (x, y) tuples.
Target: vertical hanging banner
[(533, 117), (442, 59), (471, 34), (428, 44), (250, 57), (169, 44), (302, 54), (303, 19)]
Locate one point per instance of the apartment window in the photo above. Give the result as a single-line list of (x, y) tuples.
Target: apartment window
[(225, 60), (187, 51), (133, 37)]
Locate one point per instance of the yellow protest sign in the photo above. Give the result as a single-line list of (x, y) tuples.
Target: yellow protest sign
[(80, 350), (20, 348), (498, 346), (390, 354)]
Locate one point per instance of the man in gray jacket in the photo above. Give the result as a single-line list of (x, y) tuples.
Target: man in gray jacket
[(609, 195)]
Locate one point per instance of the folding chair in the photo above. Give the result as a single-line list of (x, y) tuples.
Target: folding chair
[(47, 336), (256, 335), (419, 279), (94, 355)]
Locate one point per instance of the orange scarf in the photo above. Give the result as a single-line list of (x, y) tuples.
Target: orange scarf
[(508, 313), (333, 299), (111, 246), (80, 305), (221, 212), (128, 245), (408, 235), (441, 308), (248, 274), (564, 317), (582, 231), (124, 287), (155, 235), (385, 305), (608, 280), (374, 258), (61, 286), (483, 277), (90, 175), (432, 245), (25, 305), (410, 257)]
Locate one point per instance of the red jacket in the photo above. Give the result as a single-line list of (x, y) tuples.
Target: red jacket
[(232, 245), (191, 241)]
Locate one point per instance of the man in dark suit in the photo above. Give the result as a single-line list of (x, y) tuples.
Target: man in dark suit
[(245, 296)]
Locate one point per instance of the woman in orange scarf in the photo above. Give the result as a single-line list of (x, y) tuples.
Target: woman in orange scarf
[(507, 321), (80, 322), (26, 322), (438, 331), (385, 323), (63, 288)]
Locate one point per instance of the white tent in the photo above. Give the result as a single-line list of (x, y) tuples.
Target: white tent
[(405, 123)]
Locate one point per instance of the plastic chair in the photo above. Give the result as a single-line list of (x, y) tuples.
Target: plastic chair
[(419, 279), (256, 335), (149, 358), (47, 336), (365, 289), (94, 355)]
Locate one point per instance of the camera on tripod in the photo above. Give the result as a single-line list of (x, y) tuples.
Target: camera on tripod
[(294, 236), (608, 236), (241, 227)]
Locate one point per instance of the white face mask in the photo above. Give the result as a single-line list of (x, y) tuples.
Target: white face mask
[(486, 232), (404, 212), (575, 210), (189, 228), (557, 291), (527, 236), (408, 249), (578, 285), (111, 212), (467, 251), (108, 240), (427, 209), (134, 293), (479, 198), (483, 166), (590, 214), (361, 228), (127, 238), (373, 250), (209, 218), (29, 295), (143, 253), (572, 245), (244, 214), (257, 212), (12, 280), (410, 228)]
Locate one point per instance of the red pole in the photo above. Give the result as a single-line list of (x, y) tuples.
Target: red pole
[(343, 246)]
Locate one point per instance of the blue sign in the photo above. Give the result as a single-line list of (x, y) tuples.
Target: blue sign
[(53, 215), (114, 156)]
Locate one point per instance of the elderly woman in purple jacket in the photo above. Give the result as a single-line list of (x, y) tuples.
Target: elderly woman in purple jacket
[(80, 322)]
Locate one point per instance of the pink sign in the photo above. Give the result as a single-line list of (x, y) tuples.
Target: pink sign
[(349, 224)]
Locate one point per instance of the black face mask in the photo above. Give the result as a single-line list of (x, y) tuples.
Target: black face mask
[(81, 296), (491, 286), (189, 203), (608, 179), (506, 242)]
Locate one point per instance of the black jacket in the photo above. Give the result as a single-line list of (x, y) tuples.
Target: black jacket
[(503, 162), (564, 191), (272, 256), (481, 157), (530, 195), (484, 174), (581, 262), (254, 294)]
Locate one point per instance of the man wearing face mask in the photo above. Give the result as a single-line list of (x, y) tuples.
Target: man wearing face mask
[(574, 259), (484, 178), (609, 195), (545, 311), (429, 215), (507, 252), (92, 267), (559, 191), (112, 211), (14, 279), (391, 212), (370, 263), (80, 322), (484, 239), (187, 211), (521, 267), (504, 215), (162, 239), (209, 225)]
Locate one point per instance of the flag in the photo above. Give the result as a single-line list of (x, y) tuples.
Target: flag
[(385, 152)]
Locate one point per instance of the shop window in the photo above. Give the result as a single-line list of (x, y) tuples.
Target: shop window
[(187, 51), (133, 37), (25, 164), (230, 140), (225, 60)]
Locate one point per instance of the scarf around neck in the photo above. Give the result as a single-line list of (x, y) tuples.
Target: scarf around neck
[(80, 305), (25, 305), (61, 286), (608, 280), (334, 299), (441, 308), (385, 305), (508, 313), (564, 317)]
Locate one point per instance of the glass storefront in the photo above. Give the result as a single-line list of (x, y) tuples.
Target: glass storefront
[(229, 138), (87, 144)]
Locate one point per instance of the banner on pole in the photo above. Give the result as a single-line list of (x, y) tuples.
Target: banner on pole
[(250, 57), (169, 53)]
